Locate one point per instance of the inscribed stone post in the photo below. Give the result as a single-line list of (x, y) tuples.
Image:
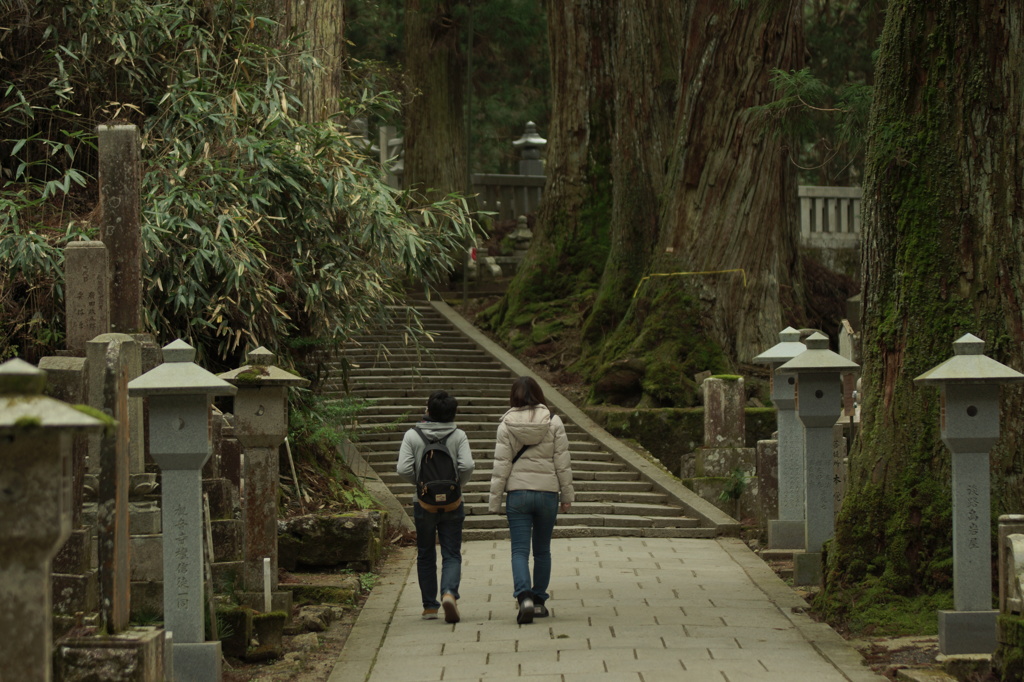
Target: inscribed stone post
[(180, 393), (819, 404), (35, 514), (787, 530), (110, 367), (86, 294), (969, 384), (119, 185)]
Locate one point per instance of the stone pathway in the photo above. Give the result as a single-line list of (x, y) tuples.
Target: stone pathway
[(631, 609)]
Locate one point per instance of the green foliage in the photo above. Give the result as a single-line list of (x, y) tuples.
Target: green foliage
[(509, 62), (870, 608), (830, 124), (823, 108), (367, 581), (735, 484), (257, 226)]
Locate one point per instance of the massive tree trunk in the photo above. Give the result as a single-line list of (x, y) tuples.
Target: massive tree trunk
[(942, 256), (435, 142), (571, 236), (695, 188), (724, 225), (320, 28)]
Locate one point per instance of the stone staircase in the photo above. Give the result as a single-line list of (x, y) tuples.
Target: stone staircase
[(614, 496)]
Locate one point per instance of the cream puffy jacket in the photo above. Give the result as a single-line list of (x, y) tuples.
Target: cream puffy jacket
[(544, 466)]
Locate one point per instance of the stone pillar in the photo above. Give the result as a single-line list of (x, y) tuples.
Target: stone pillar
[(74, 577), (35, 505), (724, 416), (119, 184), (180, 393), (818, 405), (86, 294), (969, 423), (111, 366), (787, 531), (261, 424)]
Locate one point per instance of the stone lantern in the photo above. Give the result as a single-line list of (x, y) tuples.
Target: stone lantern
[(787, 532), (35, 513), (819, 404), (261, 424), (530, 145), (969, 423), (180, 393)]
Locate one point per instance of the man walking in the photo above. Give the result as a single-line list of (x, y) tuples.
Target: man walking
[(436, 458)]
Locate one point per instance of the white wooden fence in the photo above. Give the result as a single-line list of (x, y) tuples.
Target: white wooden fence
[(830, 216)]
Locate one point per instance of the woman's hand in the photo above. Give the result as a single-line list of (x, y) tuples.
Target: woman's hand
[(564, 507)]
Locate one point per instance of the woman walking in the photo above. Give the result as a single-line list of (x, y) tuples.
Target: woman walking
[(531, 465)]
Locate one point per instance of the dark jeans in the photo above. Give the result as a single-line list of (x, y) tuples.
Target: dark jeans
[(445, 528), (531, 520)]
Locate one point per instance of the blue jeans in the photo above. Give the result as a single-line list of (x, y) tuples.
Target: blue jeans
[(531, 520), (445, 528)]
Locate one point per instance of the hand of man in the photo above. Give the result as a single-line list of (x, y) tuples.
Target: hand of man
[(564, 507)]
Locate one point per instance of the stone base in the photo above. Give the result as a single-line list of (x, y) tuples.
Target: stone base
[(75, 593), (807, 568), (967, 632), (785, 534), (136, 655), (280, 600), (197, 662), (147, 600), (227, 576)]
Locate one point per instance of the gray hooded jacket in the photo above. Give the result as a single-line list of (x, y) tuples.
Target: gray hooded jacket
[(410, 454)]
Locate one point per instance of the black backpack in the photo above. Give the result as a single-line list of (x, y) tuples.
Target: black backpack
[(438, 481)]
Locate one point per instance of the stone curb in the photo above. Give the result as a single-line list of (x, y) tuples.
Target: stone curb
[(829, 643), (371, 627)]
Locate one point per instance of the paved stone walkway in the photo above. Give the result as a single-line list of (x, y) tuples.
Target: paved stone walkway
[(630, 609)]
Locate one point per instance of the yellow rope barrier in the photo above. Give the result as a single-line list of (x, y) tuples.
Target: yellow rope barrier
[(674, 274)]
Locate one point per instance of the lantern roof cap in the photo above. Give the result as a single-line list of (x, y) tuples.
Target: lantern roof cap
[(970, 366), (529, 138), (789, 347), (179, 375), (23, 405), (261, 372), (818, 358)]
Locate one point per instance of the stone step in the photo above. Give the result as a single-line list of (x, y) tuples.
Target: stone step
[(483, 484), (585, 531), (384, 457)]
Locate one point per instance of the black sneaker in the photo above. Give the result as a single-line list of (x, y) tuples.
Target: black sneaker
[(540, 611), (526, 610)]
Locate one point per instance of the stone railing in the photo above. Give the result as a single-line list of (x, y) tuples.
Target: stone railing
[(830, 216), (508, 196)]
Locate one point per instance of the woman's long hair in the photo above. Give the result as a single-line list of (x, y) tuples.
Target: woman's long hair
[(526, 392)]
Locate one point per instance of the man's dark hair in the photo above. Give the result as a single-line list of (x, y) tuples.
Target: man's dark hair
[(526, 392), (442, 407)]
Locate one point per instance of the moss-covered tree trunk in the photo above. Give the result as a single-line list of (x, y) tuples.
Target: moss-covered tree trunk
[(319, 25), (942, 256), (435, 141), (570, 243)]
